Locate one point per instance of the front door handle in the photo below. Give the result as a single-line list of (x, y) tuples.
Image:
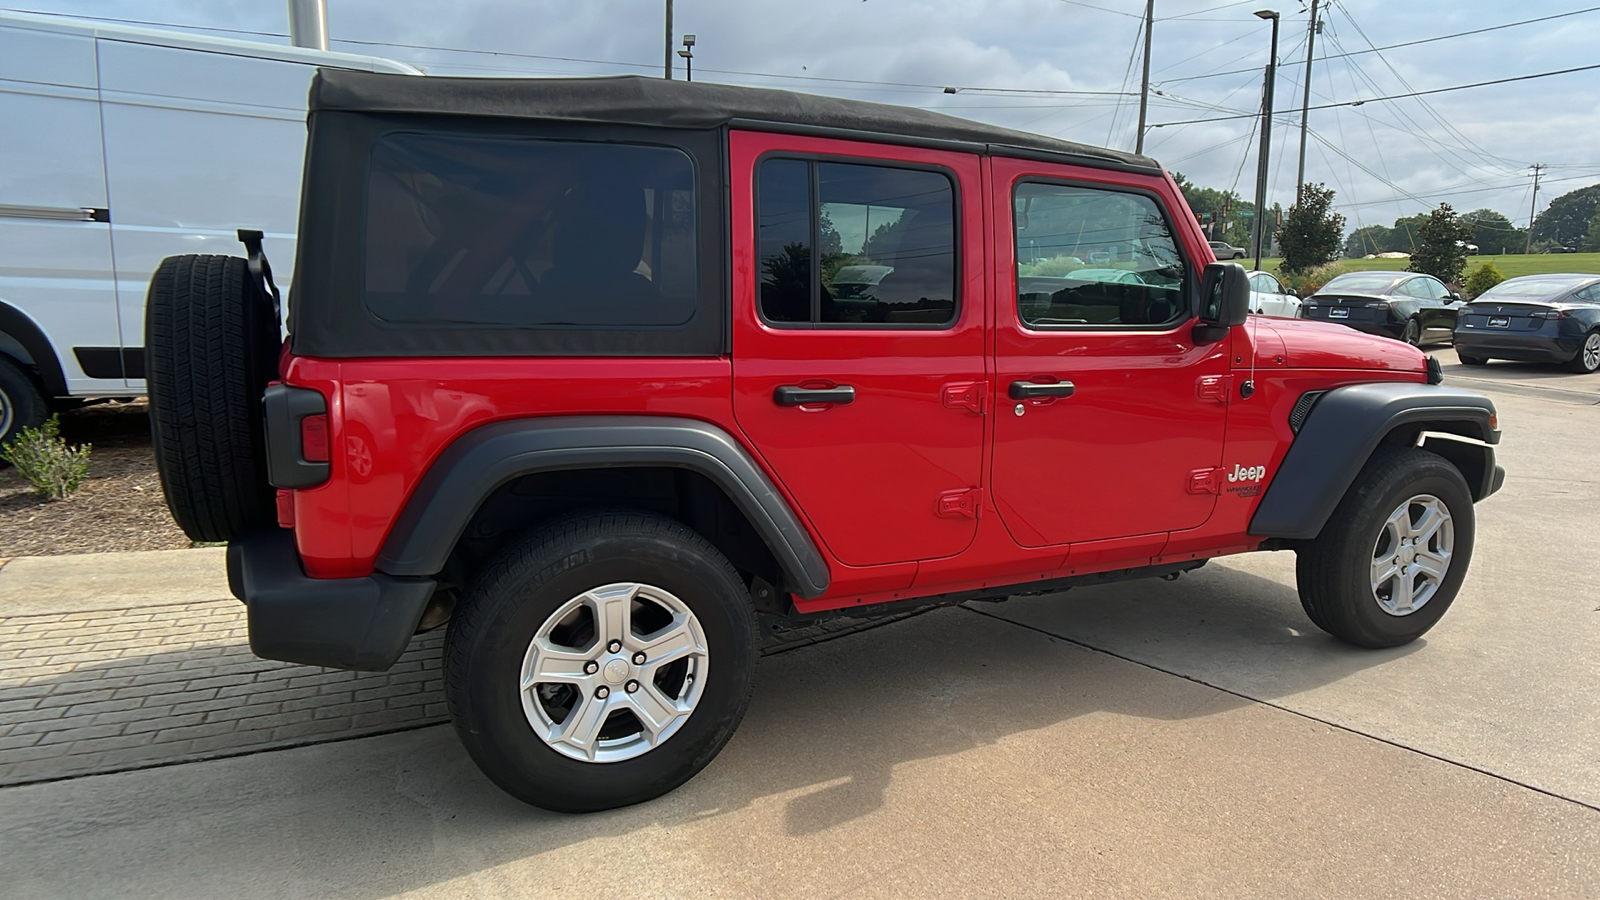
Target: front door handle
[(1027, 390), (794, 395)]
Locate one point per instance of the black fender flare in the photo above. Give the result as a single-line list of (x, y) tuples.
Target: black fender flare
[(1345, 426), (26, 332), (483, 459)]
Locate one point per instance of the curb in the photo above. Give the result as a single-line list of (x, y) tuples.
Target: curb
[(87, 582)]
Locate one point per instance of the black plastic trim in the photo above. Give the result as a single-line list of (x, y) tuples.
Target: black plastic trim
[(1028, 390), (17, 324), (492, 455), (341, 623), (793, 395), (284, 407), (1338, 437)]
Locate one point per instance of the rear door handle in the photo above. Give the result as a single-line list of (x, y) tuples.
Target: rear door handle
[(1027, 390), (794, 395)]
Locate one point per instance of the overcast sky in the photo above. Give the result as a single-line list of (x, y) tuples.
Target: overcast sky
[(1385, 159)]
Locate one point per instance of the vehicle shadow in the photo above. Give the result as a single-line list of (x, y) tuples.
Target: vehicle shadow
[(829, 733)]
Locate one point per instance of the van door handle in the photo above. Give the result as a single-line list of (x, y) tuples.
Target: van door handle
[(794, 395), (1027, 390)]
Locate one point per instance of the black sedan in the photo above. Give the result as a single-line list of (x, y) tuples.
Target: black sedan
[(1402, 305), (1534, 318)]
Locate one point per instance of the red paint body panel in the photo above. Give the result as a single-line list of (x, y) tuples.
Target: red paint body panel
[(1098, 481)]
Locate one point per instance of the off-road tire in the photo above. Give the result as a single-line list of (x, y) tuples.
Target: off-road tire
[(1333, 571), (1586, 361), (22, 405), (211, 346), (527, 583), (1471, 360)]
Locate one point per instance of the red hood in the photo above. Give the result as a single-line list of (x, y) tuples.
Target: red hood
[(1305, 344)]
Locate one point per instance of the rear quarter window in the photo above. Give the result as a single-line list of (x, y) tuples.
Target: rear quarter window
[(524, 232)]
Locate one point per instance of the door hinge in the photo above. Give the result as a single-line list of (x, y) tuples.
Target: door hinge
[(962, 504), (1206, 481), (967, 395), (1214, 387)]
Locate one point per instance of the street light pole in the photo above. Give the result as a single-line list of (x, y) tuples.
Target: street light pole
[(1265, 155), (1144, 89), (688, 57), (1305, 102)]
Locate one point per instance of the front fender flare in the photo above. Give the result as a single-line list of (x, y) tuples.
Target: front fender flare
[(483, 459), (1341, 432)]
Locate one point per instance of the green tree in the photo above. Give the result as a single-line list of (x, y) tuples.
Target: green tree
[(1566, 220), (1310, 233), (1367, 239), (1591, 242), (1439, 245), (1218, 208), (1494, 233)]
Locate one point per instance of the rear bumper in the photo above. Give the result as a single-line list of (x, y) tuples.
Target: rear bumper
[(1527, 347), (342, 623)]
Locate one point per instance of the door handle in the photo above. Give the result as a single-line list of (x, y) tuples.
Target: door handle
[(1027, 390), (794, 395)]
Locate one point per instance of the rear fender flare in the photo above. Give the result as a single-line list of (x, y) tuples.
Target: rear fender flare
[(483, 459), (1343, 429)]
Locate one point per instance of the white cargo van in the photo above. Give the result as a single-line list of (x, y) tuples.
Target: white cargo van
[(119, 147)]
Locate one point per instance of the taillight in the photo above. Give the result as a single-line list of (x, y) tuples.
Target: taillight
[(1378, 304), (314, 438), (1550, 314)]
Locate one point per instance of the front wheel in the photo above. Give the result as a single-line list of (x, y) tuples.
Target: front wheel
[(1392, 556), (602, 661), (1587, 361)]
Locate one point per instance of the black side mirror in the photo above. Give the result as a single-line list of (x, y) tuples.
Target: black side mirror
[(1454, 297), (1224, 301)]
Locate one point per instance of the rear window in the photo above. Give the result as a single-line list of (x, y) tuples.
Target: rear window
[(1374, 282), (1533, 287), (480, 230)]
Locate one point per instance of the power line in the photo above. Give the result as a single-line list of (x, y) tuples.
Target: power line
[(1443, 90), (1442, 37)]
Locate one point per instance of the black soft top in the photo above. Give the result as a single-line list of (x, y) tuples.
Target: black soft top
[(638, 100)]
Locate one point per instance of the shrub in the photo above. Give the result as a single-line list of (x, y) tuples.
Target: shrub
[(1055, 265), (1312, 233), (1481, 279), (42, 456), (1441, 245), (1304, 284)]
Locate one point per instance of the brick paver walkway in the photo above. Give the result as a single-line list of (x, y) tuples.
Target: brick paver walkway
[(94, 692), (119, 689)]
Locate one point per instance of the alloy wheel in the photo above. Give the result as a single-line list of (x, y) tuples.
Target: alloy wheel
[(1591, 352), (1412, 555), (614, 672)]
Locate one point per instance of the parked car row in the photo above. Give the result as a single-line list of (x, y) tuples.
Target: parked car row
[(1553, 318)]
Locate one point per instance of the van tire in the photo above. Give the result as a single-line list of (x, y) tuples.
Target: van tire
[(211, 346), (21, 403)]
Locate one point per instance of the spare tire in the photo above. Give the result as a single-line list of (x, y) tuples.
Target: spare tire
[(211, 342)]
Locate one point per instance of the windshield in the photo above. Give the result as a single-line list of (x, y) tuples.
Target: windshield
[(1369, 282), (1542, 286)]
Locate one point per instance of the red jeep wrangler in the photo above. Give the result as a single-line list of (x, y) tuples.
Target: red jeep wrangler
[(611, 375)]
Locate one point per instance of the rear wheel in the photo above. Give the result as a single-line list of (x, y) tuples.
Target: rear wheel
[(211, 345), (1587, 360), (1393, 555), (1412, 333), (602, 661), (21, 403), (1471, 360)]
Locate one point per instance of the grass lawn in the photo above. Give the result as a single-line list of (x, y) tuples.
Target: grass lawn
[(1510, 265)]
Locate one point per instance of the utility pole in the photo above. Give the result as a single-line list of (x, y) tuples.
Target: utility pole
[(308, 24), (668, 45), (1533, 205), (1144, 89), (1305, 102), (1264, 156)]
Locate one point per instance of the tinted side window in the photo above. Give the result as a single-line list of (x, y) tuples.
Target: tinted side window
[(1590, 294), (527, 233), (1089, 256), (876, 247)]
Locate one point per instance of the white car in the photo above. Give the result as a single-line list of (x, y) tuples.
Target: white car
[(120, 147), (1268, 297)]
